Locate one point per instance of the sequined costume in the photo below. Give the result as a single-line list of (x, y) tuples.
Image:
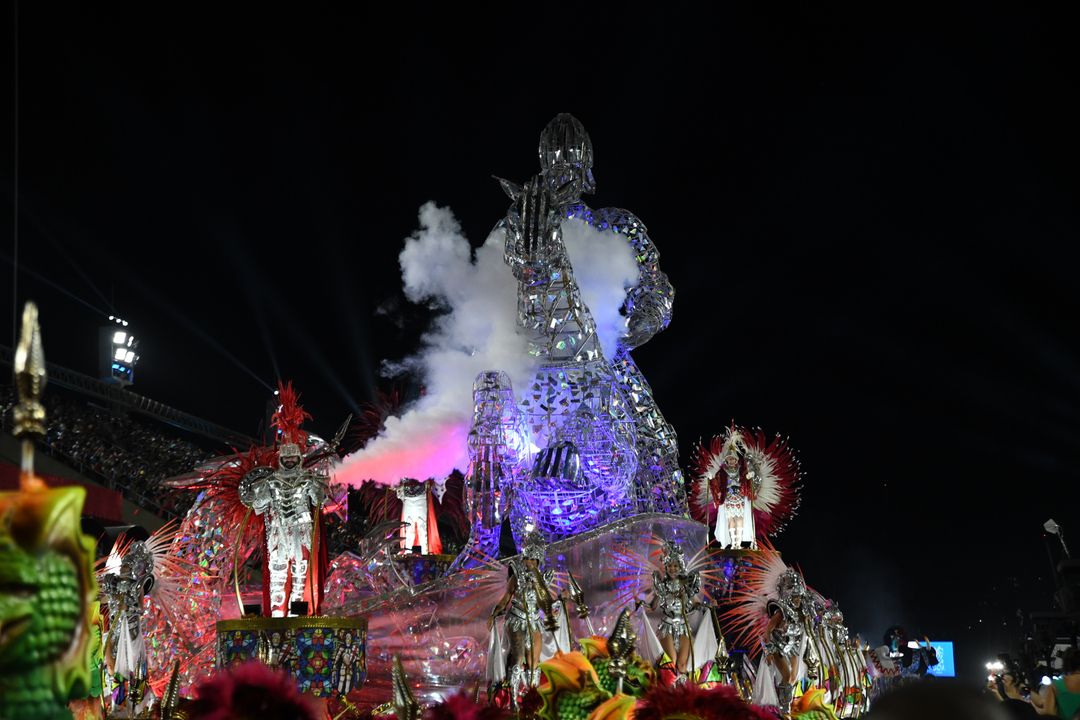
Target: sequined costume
[(788, 638), (529, 595), (286, 496), (750, 481), (289, 497), (124, 591), (675, 597), (524, 611)]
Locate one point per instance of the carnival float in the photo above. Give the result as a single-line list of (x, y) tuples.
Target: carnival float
[(599, 578)]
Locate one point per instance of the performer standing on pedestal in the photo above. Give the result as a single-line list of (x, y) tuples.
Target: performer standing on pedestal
[(289, 498), (749, 482)]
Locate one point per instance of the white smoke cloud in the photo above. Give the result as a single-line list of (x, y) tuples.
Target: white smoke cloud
[(478, 332), (604, 267)]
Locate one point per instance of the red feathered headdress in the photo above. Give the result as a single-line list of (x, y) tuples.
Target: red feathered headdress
[(290, 416)]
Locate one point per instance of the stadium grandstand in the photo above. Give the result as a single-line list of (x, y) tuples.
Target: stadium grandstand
[(120, 445)]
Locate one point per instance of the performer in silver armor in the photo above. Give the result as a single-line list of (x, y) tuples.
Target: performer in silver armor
[(289, 498), (675, 593), (785, 635), (522, 603)]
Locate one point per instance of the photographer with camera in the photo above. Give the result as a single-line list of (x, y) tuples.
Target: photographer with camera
[(1010, 687)]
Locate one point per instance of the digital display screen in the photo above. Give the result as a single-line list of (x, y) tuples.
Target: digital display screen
[(946, 666)]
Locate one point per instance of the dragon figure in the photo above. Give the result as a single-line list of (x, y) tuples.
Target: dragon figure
[(47, 584)]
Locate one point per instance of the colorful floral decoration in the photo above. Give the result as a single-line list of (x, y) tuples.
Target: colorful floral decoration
[(811, 705)]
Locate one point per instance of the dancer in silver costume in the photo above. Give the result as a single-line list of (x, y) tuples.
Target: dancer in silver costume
[(125, 650), (785, 635), (675, 593), (521, 604)]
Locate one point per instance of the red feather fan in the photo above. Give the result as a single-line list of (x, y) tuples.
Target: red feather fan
[(784, 499), (223, 487)]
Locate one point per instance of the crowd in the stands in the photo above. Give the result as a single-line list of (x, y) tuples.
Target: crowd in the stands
[(123, 453)]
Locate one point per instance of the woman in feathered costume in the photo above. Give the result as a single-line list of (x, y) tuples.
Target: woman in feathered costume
[(750, 482), (528, 593), (767, 613), (675, 592)]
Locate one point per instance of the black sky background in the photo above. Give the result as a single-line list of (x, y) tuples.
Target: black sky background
[(868, 220)]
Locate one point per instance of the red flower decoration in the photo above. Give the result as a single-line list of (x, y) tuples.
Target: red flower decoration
[(717, 703), (463, 707), (251, 691)]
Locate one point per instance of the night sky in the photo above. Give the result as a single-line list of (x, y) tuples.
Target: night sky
[(867, 219)]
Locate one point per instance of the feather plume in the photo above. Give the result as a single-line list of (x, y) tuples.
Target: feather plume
[(290, 416), (777, 498), (747, 615)]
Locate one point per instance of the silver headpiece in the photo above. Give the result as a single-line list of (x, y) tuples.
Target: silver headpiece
[(566, 153), (791, 583), (534, 548), (138, 566), (673, 554)]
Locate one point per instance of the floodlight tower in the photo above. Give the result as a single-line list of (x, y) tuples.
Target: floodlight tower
[(119, 352)]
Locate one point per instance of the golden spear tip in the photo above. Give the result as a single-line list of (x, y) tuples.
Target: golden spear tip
[(405, 705), (30, 377)]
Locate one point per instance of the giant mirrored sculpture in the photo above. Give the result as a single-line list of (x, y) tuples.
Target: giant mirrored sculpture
[(603, 449)]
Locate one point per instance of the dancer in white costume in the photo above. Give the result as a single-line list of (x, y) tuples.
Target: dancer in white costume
[(735, 514)]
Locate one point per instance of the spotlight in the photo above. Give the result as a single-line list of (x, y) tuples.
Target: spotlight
[(119, 352)]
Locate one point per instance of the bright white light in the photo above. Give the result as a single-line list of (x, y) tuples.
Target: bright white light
[(119, 338), (125, 323), (1045, 680), (913, 644), (111, 317), (130, 340), (129, 357), (120, 353), (276, 392)]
